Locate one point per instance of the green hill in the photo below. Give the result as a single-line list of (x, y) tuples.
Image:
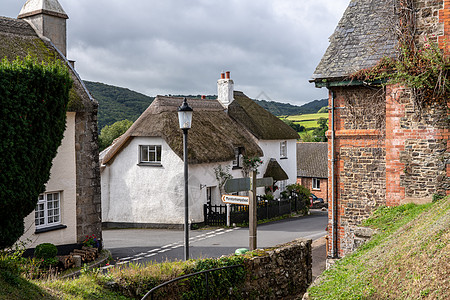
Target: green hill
[(116, 104), (408, 259)]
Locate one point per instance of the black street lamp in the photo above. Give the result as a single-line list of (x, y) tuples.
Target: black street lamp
[(185, 119)]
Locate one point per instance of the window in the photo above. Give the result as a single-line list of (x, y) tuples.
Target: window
[(283, 149), (282, 185), (316, 184), (150, 154), (237, 162), (48, 211)]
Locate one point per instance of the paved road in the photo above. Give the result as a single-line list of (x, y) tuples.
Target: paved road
[(141, 245)]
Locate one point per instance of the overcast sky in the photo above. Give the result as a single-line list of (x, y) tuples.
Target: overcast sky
[(166, 47)]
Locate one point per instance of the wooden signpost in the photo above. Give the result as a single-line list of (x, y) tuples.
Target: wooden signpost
[(247, 184)]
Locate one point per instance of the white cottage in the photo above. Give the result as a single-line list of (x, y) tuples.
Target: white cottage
[(142, 172)]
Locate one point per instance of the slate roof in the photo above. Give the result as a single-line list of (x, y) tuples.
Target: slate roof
[(312, 160), (261, 123), (212, 138), (364, 35), (18, 39)]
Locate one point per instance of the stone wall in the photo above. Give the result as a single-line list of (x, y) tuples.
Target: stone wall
[(88, 173), (279, 272)]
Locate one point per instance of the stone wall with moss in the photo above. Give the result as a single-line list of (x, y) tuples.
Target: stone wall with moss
[(279, 272)]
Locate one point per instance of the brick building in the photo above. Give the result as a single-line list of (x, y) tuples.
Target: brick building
[(382, 149), (312, 168)]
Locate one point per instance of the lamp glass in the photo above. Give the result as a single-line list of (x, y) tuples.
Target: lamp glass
[(185, 119)]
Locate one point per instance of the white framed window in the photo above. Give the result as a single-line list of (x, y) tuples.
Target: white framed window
[(237, 162), (283, 149), (150, 154), (282, 185), (48, 210), (316, 184)]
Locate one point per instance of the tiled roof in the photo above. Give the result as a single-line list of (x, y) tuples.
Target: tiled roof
[(312, 160), (364, 35)]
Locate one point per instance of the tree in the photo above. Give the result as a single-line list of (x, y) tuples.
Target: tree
[(33, 101), (319, 133), (296, 127), (112, 132)]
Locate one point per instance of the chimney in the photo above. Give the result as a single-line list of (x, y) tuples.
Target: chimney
[(225, 89), (49, 20)]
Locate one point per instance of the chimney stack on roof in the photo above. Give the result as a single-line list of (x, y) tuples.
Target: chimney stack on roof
[(225, 89), (48, 19)]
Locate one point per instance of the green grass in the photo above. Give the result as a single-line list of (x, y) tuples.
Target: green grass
[(307, 117), (403, 261)]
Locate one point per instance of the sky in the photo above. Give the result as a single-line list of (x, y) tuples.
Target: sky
[(163, 47)]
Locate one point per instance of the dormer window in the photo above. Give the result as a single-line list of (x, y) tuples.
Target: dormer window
[(237, 162), (283, 149), (150, 154)]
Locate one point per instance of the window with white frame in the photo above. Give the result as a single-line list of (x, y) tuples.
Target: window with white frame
[(237, 162), (150, 154), (48, 210), (282, 185), (316, 184), (283, 149)]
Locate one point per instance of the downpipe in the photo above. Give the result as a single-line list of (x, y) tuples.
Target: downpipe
[(334, 234)]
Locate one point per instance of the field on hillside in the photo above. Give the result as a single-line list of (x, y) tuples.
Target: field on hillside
[(309, 121)]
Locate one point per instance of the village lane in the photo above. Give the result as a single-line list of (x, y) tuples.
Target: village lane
[(143, 245)]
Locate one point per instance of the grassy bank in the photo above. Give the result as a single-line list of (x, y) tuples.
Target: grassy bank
[(408, 259)]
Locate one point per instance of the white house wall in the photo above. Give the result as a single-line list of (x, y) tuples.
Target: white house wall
[(148, 194), (271, 149), (62, 179)]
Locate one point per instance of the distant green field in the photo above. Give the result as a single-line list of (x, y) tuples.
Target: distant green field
[(309, 120), (308, 117)]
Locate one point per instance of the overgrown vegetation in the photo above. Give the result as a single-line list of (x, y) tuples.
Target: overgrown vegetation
[(420, 65), (405, 260), (33, 101)]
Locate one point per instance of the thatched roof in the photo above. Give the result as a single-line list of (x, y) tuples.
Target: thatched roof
[(275, 171), (260, 122), (364, 35), (312, 160), (212, 138), (18, 39)]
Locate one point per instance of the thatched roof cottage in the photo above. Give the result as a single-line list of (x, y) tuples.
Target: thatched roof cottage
[(70, 208), (142, 172)]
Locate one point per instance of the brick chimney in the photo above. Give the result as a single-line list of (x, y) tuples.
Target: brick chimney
[(49, 20), (225, 89)]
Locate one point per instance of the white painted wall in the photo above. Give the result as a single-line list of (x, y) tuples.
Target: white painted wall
[(62, 179), (271, 149), (155, 195), (149, 194)]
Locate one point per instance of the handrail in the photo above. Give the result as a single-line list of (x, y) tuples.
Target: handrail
[(186, 276)]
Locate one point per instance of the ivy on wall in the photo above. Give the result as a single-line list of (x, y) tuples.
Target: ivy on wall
[(33, 102)]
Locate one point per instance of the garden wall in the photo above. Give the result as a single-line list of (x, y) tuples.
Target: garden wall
[(279, 272)]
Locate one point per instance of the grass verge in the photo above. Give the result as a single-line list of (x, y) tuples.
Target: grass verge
[(408, 259)]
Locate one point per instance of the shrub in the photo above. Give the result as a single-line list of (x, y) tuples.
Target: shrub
[(45, 251), (33, 101)]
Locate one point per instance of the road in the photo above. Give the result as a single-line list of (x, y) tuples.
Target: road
[(143, 245)]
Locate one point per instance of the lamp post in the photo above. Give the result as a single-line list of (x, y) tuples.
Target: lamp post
[(185, 119)]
